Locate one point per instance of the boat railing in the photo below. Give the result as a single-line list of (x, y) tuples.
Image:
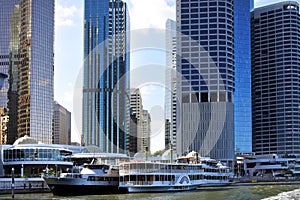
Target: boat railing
[(164, 171)]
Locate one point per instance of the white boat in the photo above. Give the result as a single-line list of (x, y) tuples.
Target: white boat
[(160, 177), (215, 174), (188, 173), (92, 179)]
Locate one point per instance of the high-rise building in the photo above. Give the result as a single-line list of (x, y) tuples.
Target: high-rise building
[(136, 107), (106, 81), (275, 34), (170, 85), (36, 70), (7, 16), (146, 129), (27, 29), (61, 125), (9, 45), (242, 94), (168, 141), (132, 145), (205, 60)]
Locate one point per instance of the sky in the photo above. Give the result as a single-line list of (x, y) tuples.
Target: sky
[(144, 14)]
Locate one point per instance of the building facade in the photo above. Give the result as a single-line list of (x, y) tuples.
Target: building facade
[(242, 58), (136, 109), (132, 144), (4, 119), (275, 33), (106, 79), (205, 90), (6, 35), (61, 125), (146, 131), (170, 84), (27, 35), (9, 45)]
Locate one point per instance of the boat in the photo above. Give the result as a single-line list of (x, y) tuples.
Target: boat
[(187, 173), (215, 173), (147, 176), (90, 179)]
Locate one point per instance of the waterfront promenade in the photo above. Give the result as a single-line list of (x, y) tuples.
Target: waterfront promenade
[(23, 185)]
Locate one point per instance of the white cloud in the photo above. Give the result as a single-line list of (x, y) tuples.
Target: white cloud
[(64, 16), (150, 13), (259, 3)]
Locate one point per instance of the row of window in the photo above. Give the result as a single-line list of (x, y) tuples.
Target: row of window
[(34, 154)]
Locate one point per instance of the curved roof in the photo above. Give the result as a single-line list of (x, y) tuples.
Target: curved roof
[(167, 155), (25, 140), (140, 155)]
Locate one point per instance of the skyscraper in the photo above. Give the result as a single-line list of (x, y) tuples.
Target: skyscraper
[(106, 80), (9, 46), (205, 60), (61, 125), (36, 70), (136, 107), (170, 84), (146, 130), (242, 58), (31, 68), (275, 33)]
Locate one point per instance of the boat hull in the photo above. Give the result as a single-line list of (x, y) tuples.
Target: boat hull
[(82, 187), (216, 184), (150, 189)]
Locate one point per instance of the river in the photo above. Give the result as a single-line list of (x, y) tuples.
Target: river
[(277, 191)]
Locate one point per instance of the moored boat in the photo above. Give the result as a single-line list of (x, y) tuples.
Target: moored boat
[(91, 179), (187, 173), (160, 177)]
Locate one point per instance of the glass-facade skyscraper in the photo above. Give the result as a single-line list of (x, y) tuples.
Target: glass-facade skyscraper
[(170, 82), (27, 27), (106, 95), (205, 61), (242, 95), (275, 33), (9, 47)]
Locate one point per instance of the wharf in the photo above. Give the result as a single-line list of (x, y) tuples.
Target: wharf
[(23, 185)]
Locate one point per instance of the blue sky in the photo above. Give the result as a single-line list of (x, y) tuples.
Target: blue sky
[(69, 55)]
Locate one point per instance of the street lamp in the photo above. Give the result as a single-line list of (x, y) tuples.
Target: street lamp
[(13, 183)]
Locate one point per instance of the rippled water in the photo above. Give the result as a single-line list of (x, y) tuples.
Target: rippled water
[(238, 192)]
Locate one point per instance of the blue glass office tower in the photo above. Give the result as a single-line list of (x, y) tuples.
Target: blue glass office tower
[(242, 95), (27, 27), (205, 90), (106, 81)]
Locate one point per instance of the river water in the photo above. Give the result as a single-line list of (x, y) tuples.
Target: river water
[(277, 191)]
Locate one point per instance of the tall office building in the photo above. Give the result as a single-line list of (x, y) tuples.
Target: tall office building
[(61, 125), (242, 58), (29, 28), (205, 60), (275, 33), (136, 107), (9, 45), (106, 81), (170, 85), (146, 130), (36, 70), (132, 147), (7, 16)]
